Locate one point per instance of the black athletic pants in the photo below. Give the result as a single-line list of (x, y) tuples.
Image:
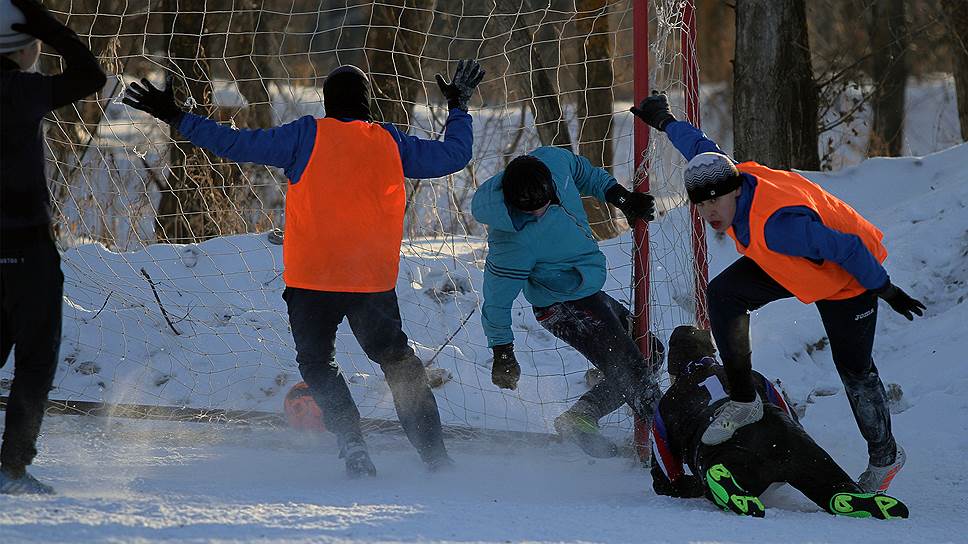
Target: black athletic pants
[(596, 326), (850, 325), (375, 321), (775, 449), (31, 290)]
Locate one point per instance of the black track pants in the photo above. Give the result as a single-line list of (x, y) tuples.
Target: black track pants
[(596, 327), (850, 325), (375, 321), (31, 289), (775, 449)]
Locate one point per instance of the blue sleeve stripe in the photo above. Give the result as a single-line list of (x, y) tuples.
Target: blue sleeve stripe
[(508, 272), (502, 275)]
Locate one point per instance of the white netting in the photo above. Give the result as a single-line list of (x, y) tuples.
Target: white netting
[(172, 292)]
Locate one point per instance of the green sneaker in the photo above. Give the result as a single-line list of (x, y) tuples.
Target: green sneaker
[(583, 430), (731, 496), (867, 505)]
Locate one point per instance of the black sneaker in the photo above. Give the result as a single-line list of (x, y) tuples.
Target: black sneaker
[(867, 505), (24, 484), (442, 463), (730, 496), (357, 458)]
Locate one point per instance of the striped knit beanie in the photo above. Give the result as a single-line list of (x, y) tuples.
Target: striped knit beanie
[(709, 175), (10, 39)]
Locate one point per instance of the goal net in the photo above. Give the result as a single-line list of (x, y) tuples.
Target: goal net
[(171, 256)]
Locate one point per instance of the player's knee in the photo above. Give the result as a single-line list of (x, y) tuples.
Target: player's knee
[(405, 368)]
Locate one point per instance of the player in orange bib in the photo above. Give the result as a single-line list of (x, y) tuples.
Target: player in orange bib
[(796, 240), (344, 224)]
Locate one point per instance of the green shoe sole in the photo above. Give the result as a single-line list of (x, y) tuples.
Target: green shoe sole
[(867, 505), (731, 496)]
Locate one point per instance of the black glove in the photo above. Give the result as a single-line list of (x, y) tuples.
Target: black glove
[(900, 301), (633, 205), (458, 92), (655, 111), (505, 370), (159, 103), (39, 22)]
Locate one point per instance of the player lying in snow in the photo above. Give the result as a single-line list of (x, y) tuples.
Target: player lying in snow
[(735, 472)]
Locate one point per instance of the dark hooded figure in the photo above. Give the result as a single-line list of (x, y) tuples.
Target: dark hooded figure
[(734, 473), (344, 224), (346, 93), (31, 282)]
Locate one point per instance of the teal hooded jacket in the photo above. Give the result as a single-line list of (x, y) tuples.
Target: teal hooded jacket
[(553, 258)]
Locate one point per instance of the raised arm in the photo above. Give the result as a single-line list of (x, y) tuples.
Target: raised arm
[(435, 158), (431, 158), (689, 140), (774, 395), (82, 74), (288, 146)]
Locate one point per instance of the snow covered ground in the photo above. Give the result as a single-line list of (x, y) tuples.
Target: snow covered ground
[(123, 480)]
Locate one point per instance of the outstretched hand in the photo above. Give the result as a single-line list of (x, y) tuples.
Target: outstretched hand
[(655, 111), (460, 89), (634, 205), (159, 103)]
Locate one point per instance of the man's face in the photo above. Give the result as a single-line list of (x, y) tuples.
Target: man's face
[(719, 211), (26, 57)]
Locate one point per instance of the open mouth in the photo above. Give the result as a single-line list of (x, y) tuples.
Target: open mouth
[(715, 224)]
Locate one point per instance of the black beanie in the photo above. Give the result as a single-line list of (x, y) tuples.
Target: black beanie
[(346, 94), (709, 175), (688, 344), (527, 184)]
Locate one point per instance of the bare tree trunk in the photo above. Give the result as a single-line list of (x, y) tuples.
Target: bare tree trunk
[(888, 31), (956, 12), (596, 104), (252, 80), (532, 77), (775, 97), (199, 201), (394, 45)]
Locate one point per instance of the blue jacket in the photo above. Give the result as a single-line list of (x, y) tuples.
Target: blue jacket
[(553, 258), (289, 146), (796, 230)]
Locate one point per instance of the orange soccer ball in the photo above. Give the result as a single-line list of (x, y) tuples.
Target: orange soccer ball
[(301, 409)]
